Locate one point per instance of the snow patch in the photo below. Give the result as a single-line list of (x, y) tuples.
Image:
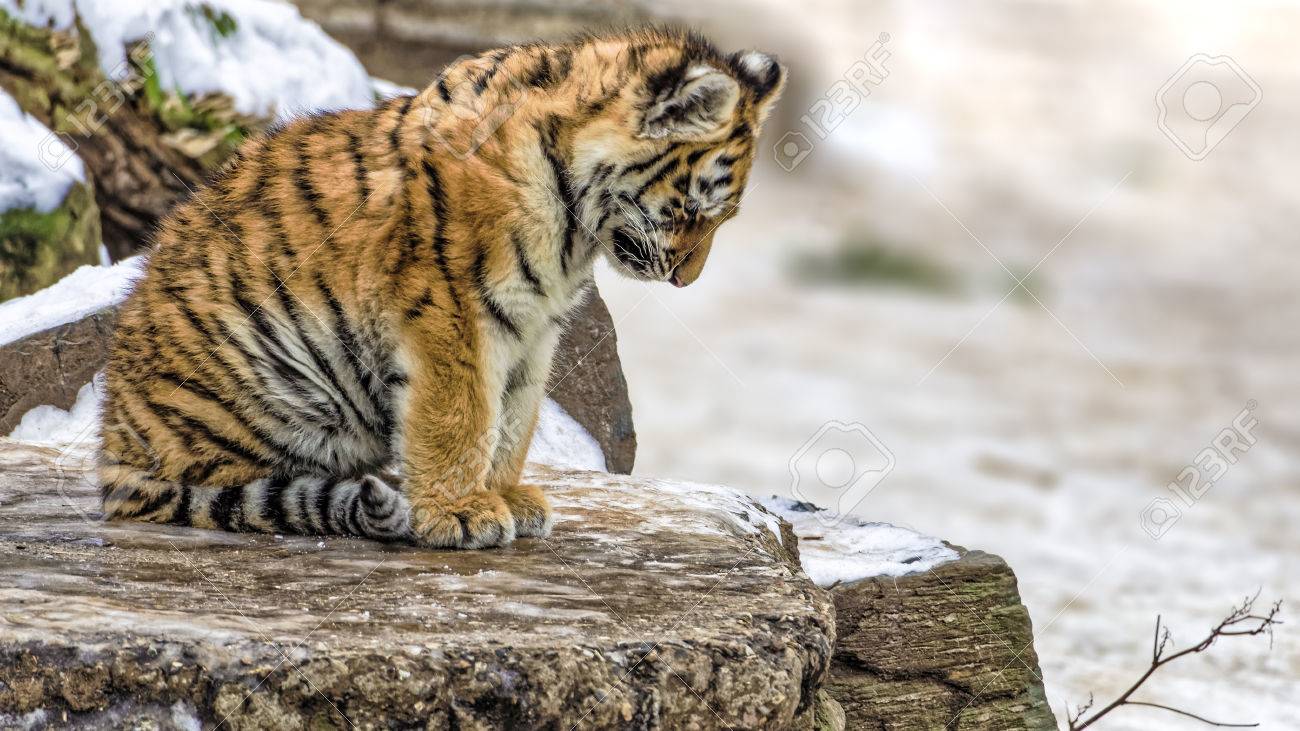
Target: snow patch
[(52, 425), (560, 441), (266, 56), (851, 549), (385, 89), (84, 291), (30, 173)]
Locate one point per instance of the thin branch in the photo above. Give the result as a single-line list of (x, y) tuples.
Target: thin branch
[(1202, 719), (1240, 622)]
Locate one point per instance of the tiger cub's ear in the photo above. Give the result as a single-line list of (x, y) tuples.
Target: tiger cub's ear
[(763, 75), (697, 107)]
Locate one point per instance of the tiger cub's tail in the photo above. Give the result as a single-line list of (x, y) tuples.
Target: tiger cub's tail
[(366, 506)]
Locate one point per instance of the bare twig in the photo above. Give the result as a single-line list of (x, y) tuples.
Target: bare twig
[(1240, 622)]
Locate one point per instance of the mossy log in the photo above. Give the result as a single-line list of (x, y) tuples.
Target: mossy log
[(140, 158), (37, 249)]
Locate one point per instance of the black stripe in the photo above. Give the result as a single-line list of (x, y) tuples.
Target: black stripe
[(222, 508), (526, 269), (417, 309), (438, 202), (273, 215), (443, 92), (303, 512), (351, 350), (323, 365), (540, 76), (302, 180), (658, 175), (323, 506), (200, 473), (202, 430), (563, 66), (153, 504), (309, 411), (517, 378), (549, 143), (354, 516), (498, 57), (650, 161), (708, 185), (695, 156), (233, 408), (266, 440), (682, 183), (288, 369), (358, 159), (273, 504), (181, 516), (490, 305), (369, 498), (395, 136)]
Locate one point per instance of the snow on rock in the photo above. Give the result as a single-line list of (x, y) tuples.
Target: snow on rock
[(385, 89), (560, 441), (86, 290), (840, 549), (263, 54), (26, 180), (53, 426)]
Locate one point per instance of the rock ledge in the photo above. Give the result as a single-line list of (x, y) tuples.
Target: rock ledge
[(651, 606)]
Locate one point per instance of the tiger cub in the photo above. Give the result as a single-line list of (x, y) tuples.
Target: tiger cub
[(349, 330)]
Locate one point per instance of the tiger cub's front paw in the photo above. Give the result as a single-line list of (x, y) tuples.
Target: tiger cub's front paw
[(477, 520), (531, 510)]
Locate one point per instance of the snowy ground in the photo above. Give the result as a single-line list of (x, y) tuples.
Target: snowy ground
[(1041, 433)]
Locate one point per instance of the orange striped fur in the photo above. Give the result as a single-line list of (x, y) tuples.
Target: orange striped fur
[(349, 330)]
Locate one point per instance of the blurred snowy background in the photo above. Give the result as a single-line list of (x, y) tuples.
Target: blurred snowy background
[(1000, 284)]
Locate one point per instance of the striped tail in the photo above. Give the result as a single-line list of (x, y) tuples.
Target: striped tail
[(365, 506)]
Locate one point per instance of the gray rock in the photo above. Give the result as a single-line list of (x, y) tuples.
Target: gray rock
[(952, 647), (587, 380), (650, 606), (49, 367)]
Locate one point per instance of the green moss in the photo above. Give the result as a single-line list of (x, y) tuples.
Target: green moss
[(37, 249), (223, 24), (1032, 283), (855, 262)]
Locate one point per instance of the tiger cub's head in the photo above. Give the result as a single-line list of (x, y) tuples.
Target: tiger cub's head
[(668, 160)]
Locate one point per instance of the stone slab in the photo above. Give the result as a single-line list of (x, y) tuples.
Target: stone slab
[(652, 605)]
